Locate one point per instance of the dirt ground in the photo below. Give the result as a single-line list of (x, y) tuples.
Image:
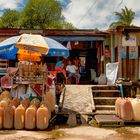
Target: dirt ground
[(74, 133)]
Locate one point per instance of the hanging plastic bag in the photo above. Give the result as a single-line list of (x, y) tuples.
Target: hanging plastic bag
[(111, 72)]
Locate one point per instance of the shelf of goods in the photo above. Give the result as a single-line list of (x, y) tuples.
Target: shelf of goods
[(3, 66), (29, 73)]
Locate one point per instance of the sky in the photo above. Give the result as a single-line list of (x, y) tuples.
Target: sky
[(86, 14)]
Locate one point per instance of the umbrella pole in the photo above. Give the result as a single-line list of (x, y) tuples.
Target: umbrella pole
[(43, 92), (44, 80)]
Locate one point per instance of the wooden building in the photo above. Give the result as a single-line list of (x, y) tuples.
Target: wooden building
[(125, 49), (87, 45)]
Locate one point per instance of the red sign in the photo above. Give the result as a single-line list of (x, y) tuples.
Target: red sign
[(37, 88), (6, 81), (107, 53)]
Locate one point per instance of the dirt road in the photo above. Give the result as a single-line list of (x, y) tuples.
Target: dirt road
[(75, 133)]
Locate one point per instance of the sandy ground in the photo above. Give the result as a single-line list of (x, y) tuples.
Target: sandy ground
[(75, 133), (85, 132)]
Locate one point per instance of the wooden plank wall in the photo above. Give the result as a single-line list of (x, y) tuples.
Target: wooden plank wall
[(130, 67)]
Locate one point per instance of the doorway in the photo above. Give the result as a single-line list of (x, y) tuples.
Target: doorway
[(89, 58), (91, 61)]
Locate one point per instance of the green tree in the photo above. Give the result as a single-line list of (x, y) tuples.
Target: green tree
[(9, 19), (41, 14), (125, 17), (37, 14)]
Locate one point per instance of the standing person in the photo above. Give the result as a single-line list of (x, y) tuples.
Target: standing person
[(72, 70)]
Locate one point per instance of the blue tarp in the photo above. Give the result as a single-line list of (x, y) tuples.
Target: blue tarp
[(77, 38)]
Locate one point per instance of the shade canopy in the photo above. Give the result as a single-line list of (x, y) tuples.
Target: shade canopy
[(35, 43)]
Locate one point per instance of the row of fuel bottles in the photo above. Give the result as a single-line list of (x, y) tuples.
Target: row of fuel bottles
[(128, 109), (25, 114)]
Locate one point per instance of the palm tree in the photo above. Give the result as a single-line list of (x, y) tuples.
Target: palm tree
[(125, 17)]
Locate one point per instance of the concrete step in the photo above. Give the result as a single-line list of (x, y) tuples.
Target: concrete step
[(105, 107), (106, 93), (104, 100), (104, 87)]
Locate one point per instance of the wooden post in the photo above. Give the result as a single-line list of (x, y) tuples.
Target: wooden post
[(139, 67), (112, 49), (103, 63), (72, 120), (119, 55)]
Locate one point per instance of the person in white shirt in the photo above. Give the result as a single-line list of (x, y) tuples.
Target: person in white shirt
[(72, 70)]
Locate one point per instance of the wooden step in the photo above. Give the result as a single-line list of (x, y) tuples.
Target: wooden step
[(105, 107), (116, 93), (104, 87), (109, 120), (105, 112), (104, 100), (105, 91)]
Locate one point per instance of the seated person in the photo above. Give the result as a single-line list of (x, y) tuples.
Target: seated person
[(72, 71), (61, 73), (76, 62)]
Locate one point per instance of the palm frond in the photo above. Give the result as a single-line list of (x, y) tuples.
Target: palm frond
[(125, 17)]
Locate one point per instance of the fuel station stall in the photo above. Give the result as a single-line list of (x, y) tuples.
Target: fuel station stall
[(27, 101)]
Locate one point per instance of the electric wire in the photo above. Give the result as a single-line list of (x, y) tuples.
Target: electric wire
[(93, 4), (116, 9)]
